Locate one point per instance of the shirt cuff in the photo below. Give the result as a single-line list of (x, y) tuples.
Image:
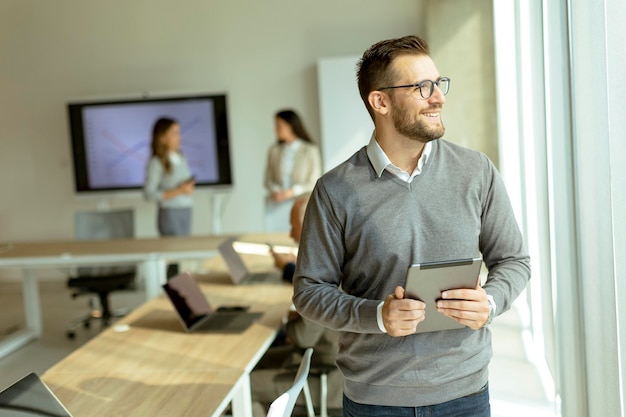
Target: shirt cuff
[(379, 317)]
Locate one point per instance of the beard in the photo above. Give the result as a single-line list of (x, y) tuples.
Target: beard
[(418, 130)]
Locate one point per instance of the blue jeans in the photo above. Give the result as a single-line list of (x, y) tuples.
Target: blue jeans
[(473, 405)]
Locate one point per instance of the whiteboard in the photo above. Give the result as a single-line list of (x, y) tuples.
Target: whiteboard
[(346, 125)]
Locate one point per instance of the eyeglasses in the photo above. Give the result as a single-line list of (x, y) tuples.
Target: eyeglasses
[(427, 87)]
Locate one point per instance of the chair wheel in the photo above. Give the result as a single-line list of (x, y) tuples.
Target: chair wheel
[(71, 334)]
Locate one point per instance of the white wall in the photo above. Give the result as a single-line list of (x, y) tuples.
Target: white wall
[(460, 35), (262, 54)]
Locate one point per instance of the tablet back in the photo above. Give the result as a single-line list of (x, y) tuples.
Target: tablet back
[(426, 281)]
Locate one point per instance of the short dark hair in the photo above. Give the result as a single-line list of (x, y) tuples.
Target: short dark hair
[(373, 69)]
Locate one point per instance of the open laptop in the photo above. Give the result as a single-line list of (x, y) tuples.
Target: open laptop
[(238, 270), (197, 315), (30, 397)]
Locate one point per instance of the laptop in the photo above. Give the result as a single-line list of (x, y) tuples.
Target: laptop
[(238, 271), (30, 396), (426, 281), (197, 315)]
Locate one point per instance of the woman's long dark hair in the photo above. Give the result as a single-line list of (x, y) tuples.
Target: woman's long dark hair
[(293, 120), (158, 149)]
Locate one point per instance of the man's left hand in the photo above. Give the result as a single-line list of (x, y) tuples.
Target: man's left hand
[(469, 307)]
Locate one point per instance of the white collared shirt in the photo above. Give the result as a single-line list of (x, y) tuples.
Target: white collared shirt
[(380, 161), (174, 157), (288, 161)]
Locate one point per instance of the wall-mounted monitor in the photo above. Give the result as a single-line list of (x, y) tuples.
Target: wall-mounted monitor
[(111, 140)]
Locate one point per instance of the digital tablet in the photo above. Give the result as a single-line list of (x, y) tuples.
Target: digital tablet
[(426, 281)]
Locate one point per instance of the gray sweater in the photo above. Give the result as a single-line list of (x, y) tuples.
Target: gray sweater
[(362, 232)]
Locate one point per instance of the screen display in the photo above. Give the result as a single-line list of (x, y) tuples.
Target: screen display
[(111, 141)]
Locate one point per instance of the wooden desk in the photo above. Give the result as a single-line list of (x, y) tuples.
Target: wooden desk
[(151, 255), (156, 369)]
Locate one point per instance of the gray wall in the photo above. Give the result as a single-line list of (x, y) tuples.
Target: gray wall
[(262, 54)]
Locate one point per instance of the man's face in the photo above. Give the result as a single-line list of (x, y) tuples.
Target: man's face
[(413, 116)]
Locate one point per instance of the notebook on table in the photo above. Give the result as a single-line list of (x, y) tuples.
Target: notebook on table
[(196, 314), (238, 271), (30, 397)]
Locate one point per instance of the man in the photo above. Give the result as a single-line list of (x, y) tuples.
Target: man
[(275, 372), (408, 197), (286, 262)]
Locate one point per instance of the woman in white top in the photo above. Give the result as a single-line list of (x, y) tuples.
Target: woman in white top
[(169, 180), (294, 162)]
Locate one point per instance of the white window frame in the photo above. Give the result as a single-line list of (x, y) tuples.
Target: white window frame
[(562, 136)]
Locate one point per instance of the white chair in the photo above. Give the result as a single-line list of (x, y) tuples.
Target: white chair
[(322, 371), (283, 406)]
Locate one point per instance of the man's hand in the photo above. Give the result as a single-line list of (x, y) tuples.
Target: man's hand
[(401, 316), (282, 259), (469, 307)]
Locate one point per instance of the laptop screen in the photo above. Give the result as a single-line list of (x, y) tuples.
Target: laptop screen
[(187, 298), (30, 397), (237, 269)]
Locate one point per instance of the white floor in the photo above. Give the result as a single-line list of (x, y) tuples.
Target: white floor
[(515, 384)]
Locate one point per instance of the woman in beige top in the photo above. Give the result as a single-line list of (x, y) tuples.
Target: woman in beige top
[(293, 162)]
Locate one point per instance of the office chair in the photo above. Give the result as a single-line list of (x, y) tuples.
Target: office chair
[(101, 281), (283, 406)]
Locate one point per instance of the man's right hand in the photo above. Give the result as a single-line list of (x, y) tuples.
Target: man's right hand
[(402, 315)]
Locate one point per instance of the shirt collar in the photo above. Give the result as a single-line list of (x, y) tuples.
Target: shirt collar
[(174, 157), (380, 161), (293, 144)]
